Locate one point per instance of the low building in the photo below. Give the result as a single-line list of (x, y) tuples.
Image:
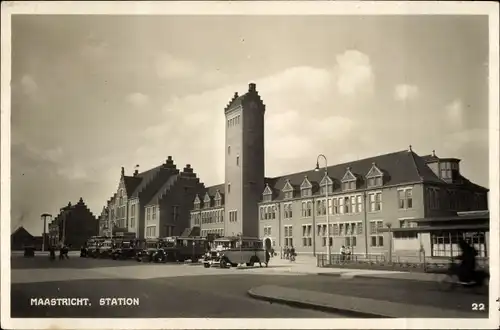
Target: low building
[(20, 238)]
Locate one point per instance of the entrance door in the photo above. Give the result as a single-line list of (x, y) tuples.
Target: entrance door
[(267, 244)]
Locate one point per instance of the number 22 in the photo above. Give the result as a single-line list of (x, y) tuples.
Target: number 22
[(478, 307)]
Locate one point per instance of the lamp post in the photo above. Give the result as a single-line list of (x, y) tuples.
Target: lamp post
[(44, 217), (328, 252), (390, 242)]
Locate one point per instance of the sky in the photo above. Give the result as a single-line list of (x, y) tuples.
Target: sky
[(91, 94)]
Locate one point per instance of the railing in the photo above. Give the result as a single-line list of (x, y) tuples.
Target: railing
[(418, 262)]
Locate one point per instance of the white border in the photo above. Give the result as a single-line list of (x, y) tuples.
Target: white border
[(249, 8)]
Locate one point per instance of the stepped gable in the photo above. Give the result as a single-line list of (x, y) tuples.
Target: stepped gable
[(240, 100), (145, 178), (398, 168), (164, 188)]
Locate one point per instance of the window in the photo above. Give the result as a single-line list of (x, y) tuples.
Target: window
[(287, 210), (288, 235), (446, 170), (267, 231), (153, 213), (268, 212), (151, 231), (359, 203), (405, 198), (433, 198), (306, 235), (237, 160), (228, 188), (233, 216), (289, 195), (375, 201), (148, 214), (376, 238), (321, 207), (306, 192), (350, 241), (322, 232), (228, 150)]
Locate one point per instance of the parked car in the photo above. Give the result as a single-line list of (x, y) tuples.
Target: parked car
[(153, 251), (29, 251), (105, 249)]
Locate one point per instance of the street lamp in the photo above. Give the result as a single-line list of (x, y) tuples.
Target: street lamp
[(44, 217), (328, 252), (390, 242)]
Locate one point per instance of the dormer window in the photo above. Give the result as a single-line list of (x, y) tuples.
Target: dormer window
[(197, 203), (375, 177), (267, 195), (207, 201), (288, 190), (306, 188), (218, 199), (349, 181), (325, 185)]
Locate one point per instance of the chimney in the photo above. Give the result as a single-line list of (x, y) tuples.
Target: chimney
[(136, 171), (123, 171), (409, 148), (188, 171), (169, 162), (81, 200), (251, 87), (433, 153)]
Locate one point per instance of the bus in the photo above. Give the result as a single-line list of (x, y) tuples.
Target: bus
[(234, 251), (185, 248)]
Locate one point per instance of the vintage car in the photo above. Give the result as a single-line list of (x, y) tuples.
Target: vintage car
[(104, 249), (124, 250), (153, 251), (234, 251), (90, 248)]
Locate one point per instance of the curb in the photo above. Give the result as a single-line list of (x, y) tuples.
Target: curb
[(378, 277), (312, 306)]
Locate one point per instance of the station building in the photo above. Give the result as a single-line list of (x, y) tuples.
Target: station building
[(381, 203), (400, 202)]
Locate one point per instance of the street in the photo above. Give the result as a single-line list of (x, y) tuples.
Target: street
[(182, 291)]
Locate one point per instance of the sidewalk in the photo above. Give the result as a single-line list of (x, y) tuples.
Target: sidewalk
[(353, 306), (43, 253), (307, 265)]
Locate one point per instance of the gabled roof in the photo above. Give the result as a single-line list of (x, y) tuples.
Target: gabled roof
[(267, 190), (21, 231), (145, 177), (163, 189), (325, 180), (288, 186), (348, 176), (398, 167), (131, 184), (374, 172), (306, 184)]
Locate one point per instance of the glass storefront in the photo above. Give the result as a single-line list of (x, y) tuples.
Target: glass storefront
[(445, 244)]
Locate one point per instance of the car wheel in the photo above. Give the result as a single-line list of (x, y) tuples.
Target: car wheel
[(206, 265), (223, 263)]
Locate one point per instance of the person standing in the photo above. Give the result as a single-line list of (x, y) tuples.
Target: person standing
[(342, 253), (292, 254)]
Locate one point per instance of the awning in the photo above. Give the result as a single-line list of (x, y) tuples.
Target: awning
[(424, 229), (457, 218)]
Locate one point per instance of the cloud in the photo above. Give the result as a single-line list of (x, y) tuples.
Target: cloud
[(292, 137), (137, 99), (457, 141), (29, 85), (403, 92), (94, 48), (354, 73), (170, 67), (454, 114)]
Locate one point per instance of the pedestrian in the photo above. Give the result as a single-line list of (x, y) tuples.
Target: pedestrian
[(347, 253), (66, 251), (292, 254), (268, 256), (52, 253), (342, 253)]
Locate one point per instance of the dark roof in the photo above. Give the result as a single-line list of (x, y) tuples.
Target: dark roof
[(163, 189), (21, 230), (145, 177), (131, 184), (398, 168), (212, 190), (429, 158)]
